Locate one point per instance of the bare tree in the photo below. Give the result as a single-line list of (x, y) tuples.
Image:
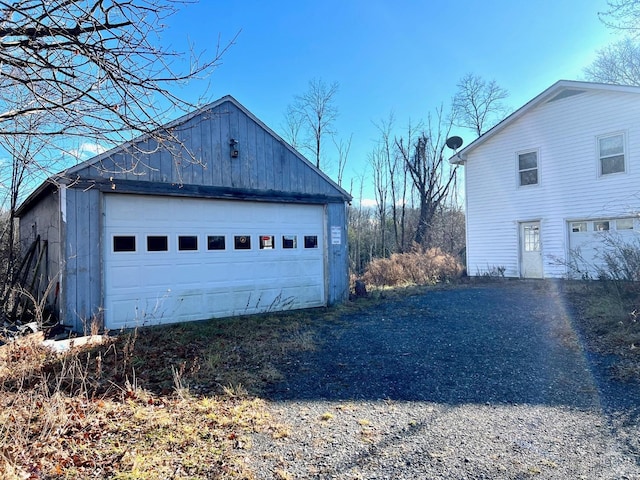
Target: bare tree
[(618, 63), (83, 69), (622, 15), (397, 176), (342, 148), (478, 104), (26, 162), (94, 68), (293, 124), (433, 177), (378, 162), (359, 226), (316, 111)]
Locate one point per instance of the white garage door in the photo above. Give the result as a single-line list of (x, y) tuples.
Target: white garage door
[(589, 240), (178, 259)]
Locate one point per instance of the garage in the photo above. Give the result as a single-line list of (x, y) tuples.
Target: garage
[(220, 218), (590, 240), (168, 259)]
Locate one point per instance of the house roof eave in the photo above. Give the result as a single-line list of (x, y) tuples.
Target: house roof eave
[(461, 156)]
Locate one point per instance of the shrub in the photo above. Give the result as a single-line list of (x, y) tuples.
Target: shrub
[(621, 259), (418, 267)]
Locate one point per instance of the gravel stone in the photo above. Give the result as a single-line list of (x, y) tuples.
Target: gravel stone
[(473, 382)]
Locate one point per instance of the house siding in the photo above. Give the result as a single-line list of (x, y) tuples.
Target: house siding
[(564, 133)]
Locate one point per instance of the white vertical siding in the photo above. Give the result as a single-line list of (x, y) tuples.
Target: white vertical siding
[(564, 132)]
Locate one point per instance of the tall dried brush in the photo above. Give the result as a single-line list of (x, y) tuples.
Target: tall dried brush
[(417, 267)]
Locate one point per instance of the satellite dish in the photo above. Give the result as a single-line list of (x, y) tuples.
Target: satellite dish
[(454, 143)]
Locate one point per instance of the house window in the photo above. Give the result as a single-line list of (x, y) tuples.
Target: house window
[(532, 238), (310, 241), (577, 227), (528, 168), (267, 242), (602, 226), (289, 241), (124, 243), (216, 242), (624, 224), (242, 242), (611, 154), (187, 242), (157, 243)]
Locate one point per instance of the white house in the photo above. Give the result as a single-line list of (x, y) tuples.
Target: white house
[(549, 184), (147, 234)]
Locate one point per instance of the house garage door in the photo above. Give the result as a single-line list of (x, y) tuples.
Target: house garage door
[(173, 259), (590, 240)]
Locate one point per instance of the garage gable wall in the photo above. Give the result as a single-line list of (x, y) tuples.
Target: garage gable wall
[(264, 162)]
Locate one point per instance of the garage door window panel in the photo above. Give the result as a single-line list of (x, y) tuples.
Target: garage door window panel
[(242, 242), (124, 243), (188, 243), (310, 241), (624, 224), (216, 242), (289, 241), (267, 242), (611, 154), (602, 226), (578, 227), (157, 243)]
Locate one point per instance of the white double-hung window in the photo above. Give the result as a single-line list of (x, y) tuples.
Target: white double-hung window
[(528, 168), (611, 154)]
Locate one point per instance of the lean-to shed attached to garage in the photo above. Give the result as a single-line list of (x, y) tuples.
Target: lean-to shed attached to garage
[(226, 219)]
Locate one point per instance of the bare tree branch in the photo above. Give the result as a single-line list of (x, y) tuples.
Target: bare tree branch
[(342, 147), (622, 15), (316, 111), (432, 176), (94, 67), (618, 63), (478, 104), (292, 126), (86, 69)]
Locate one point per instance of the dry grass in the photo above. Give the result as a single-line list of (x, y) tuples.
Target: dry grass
[(418, 267), (168, 402), (608, 316), (181, 401)]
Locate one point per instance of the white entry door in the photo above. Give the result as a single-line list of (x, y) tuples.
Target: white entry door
[(530, 250)]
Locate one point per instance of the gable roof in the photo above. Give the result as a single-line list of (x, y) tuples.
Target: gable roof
[(61, 177), (560, 89), (185, 118)]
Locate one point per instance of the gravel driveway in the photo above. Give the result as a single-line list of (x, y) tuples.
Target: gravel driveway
[(475, 382)]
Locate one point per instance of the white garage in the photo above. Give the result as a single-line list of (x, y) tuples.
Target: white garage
[(168, 258), (221, 218), (591, 240)]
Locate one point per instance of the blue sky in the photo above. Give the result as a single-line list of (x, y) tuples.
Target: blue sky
[(400, 56)]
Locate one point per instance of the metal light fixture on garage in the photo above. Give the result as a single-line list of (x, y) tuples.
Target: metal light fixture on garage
[(234, 148)]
